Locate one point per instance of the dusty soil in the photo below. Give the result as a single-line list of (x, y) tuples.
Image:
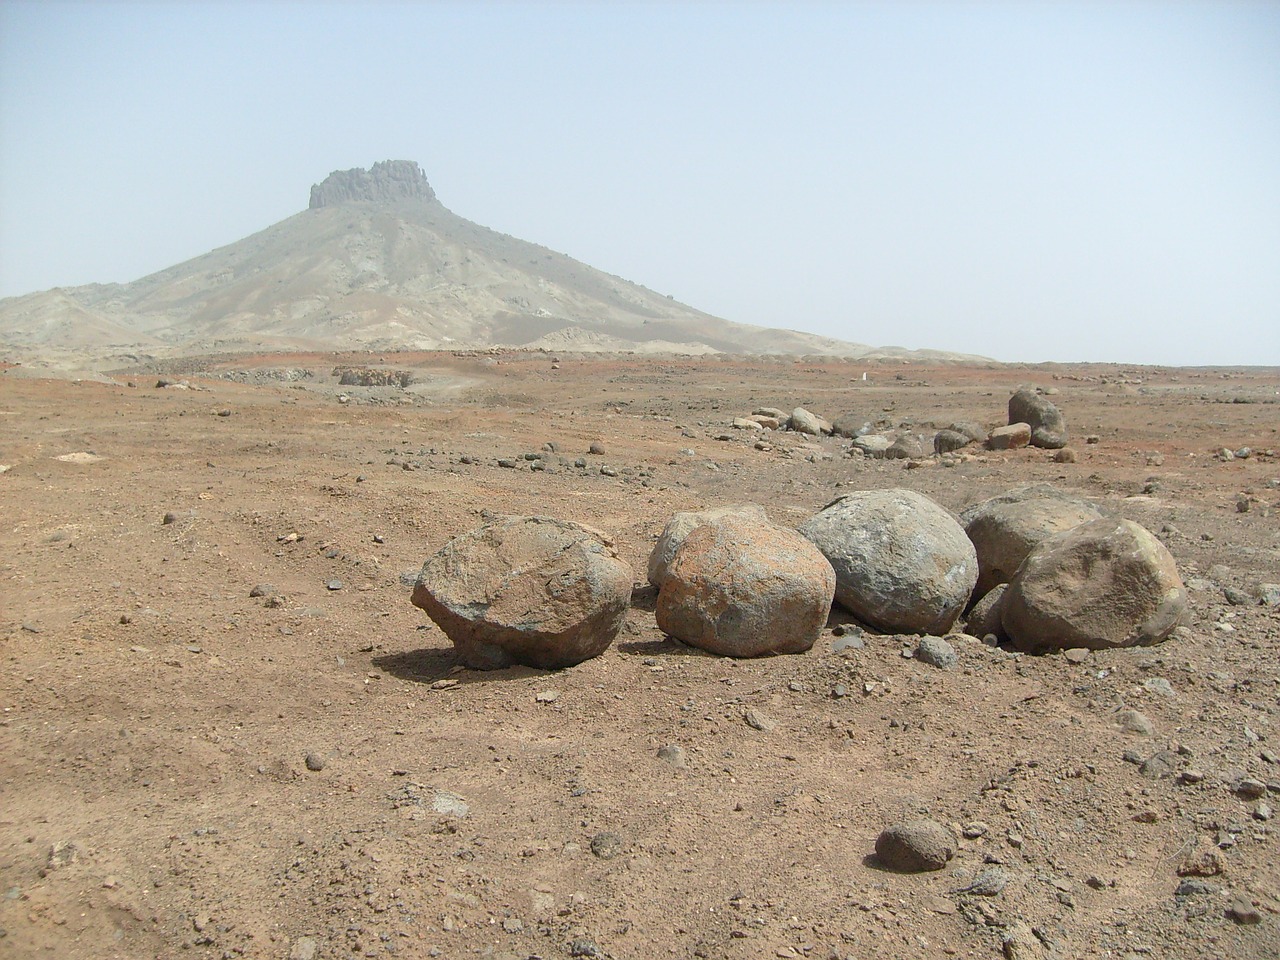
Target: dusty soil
[(156, 796)]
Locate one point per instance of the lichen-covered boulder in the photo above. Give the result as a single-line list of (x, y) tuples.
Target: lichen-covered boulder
[(903, 563), (1104, 584), (531, 590)]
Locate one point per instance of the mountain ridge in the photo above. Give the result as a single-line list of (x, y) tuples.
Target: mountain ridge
[(377, 262)]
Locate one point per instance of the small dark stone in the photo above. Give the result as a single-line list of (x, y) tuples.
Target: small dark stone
[(606, 846), (314, 762)]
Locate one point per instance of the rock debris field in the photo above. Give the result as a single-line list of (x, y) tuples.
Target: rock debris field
[(516, 655)]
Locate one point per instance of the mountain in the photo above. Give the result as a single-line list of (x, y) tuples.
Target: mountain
[(378, 262)]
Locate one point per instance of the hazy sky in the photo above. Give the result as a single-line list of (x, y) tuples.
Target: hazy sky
[(1029, 181)]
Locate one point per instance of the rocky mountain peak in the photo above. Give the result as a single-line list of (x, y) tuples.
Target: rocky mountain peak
[(385, 181)]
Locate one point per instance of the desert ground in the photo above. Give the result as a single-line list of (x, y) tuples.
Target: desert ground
[(187, 770)]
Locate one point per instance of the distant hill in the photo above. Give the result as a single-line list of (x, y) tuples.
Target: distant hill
[(377, 262)]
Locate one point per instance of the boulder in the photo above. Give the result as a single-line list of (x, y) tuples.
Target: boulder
[(532, 590), (906, 447), (1012, 437), (903, 563), (742, 588), (915, 846), (984, 619), (773, 412), (802, 421), (685, 522), (1048, 428), (851, 426), (948, 441), (1104, 584), (871, 445), (974, 431), (1004, 532)]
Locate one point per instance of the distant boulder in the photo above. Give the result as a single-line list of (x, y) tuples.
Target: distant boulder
[(683, 523), (1013, 437), (803, 421), (851, 426), (903, 563), (949, 441), (1048, 428), (742, 588), (974, 431), (872, 445), (531, 590), (906, 447), (1104, 584)]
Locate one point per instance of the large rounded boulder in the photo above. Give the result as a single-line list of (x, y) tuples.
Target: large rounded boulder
[(684, 522), (903, 563), (531, 590), (1004, 531), (1104, 584), (742, 588), (1048, 427)]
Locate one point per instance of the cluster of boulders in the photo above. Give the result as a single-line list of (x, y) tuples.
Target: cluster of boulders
[(1034, 420), (1034, 567), (370, 377)]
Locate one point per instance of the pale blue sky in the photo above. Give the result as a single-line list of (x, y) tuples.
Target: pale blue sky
[(1029, 181)]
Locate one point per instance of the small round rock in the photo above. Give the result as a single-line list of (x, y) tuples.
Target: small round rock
[(915, 846)]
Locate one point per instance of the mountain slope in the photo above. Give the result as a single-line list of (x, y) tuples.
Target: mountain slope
[(378, 262)]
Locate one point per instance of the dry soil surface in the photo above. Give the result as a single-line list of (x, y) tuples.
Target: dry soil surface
[(187, 770)]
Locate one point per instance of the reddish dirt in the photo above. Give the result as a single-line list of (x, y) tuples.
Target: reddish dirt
[(155, 799)]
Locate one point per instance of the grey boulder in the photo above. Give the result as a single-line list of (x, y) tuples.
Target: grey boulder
[(949, 441), (903, 563)]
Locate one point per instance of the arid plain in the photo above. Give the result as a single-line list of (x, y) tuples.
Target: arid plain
[(187, 770)]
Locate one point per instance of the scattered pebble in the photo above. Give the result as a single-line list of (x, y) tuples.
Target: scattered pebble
[(1136, 722), (314, 762), (988, 883), (674, 754), (1251, 789)]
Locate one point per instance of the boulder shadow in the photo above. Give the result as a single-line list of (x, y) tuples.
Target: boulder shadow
[(419, 666), (441, 663), (668, 646), (872, 862)]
